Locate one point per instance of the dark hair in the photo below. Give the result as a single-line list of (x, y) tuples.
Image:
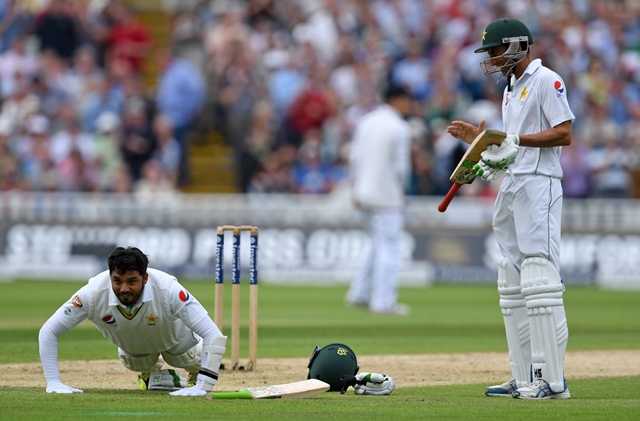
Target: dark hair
[(124, 259), (395, 91)]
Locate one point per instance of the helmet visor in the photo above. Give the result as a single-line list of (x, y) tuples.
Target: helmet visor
[(505, 63)]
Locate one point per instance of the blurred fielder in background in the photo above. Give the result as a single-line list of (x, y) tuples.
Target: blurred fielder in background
[(527, 215), (150, 317), (380, 167)]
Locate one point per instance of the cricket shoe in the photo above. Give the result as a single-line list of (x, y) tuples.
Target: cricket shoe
[(540, 389), (397, 310), (503, 390), (143, 381), (192, 378)]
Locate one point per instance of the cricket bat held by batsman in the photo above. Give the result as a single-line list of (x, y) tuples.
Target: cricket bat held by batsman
[(464, 174)]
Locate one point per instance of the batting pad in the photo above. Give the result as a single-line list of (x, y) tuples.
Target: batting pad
[(516, 321), (542, 289), (166, 380)]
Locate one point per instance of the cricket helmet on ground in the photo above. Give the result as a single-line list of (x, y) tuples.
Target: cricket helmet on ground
[(332, 362)]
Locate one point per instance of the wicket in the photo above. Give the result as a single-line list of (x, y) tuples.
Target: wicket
[(235, 292)]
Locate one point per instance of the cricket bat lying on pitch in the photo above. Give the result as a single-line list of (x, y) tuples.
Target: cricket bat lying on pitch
[(297, 390), (464, 174)]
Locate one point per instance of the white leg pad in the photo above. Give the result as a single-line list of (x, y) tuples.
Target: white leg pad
[(542, 289), (516, 321), (211, 360)]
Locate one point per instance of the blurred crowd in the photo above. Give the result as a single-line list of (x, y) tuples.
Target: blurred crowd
[(285, 82)]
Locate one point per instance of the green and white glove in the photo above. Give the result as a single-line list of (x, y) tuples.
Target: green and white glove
[(487, 173), (369, 384), (166, 380), (504, 155)]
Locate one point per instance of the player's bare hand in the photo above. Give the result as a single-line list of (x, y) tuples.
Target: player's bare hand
[(465, 131), (58, 387)]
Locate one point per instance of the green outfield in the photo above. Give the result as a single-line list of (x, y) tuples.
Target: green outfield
[(292, 320)]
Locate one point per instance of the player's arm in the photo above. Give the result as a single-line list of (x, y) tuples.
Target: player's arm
[(559, 135), (65, 318)]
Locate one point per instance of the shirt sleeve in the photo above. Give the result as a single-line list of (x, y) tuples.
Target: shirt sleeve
[(554, 100), (185, 306), (69, 315)]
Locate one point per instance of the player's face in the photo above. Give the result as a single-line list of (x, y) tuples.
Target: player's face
[(497, 59), (128, 286)]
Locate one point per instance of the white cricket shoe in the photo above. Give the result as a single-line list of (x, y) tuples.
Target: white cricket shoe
[(540, 390), (503, 390), (397, 310)]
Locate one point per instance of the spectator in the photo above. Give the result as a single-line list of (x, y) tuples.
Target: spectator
[(576, 166), (14, 63), (57, 29), (155, 186), (138, 144), (128, 38), (180, 97), (168, 152), (310, 175), (36, 166), (611, 165), (108, 156)]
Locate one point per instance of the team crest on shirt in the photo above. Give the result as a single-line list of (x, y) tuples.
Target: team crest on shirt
[(184, 296), (523, 94), (558, 87), (109, 319), (151, 319), (76, 301)]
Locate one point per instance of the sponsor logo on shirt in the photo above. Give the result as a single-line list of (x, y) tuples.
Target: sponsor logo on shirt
[(76, 301), (109, 319), (559, 88), (67, 311), (184, 296)]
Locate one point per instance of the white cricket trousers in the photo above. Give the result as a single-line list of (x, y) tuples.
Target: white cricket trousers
[(527, 217), (376, 279)]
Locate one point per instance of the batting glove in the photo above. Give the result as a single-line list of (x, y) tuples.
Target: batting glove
[(369, 384), (487, 173), (166, 380), (504, 155), (196, 390), (58, 387)]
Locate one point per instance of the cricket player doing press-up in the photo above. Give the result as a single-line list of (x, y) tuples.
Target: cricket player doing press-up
[(150, 317), (527, 213)]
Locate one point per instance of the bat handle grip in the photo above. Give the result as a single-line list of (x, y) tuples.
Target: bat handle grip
[(449, 197)]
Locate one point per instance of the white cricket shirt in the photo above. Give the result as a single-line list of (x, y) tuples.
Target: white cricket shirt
[(380, 159), (537, 102), (155, 324)]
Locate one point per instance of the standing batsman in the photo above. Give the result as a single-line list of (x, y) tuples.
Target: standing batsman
[(527, 214), (150, 317)]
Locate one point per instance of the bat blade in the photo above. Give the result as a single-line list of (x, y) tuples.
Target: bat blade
[(464, 173), (296, 390)]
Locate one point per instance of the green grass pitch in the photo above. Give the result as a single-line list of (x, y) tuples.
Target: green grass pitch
[(444, 319)]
